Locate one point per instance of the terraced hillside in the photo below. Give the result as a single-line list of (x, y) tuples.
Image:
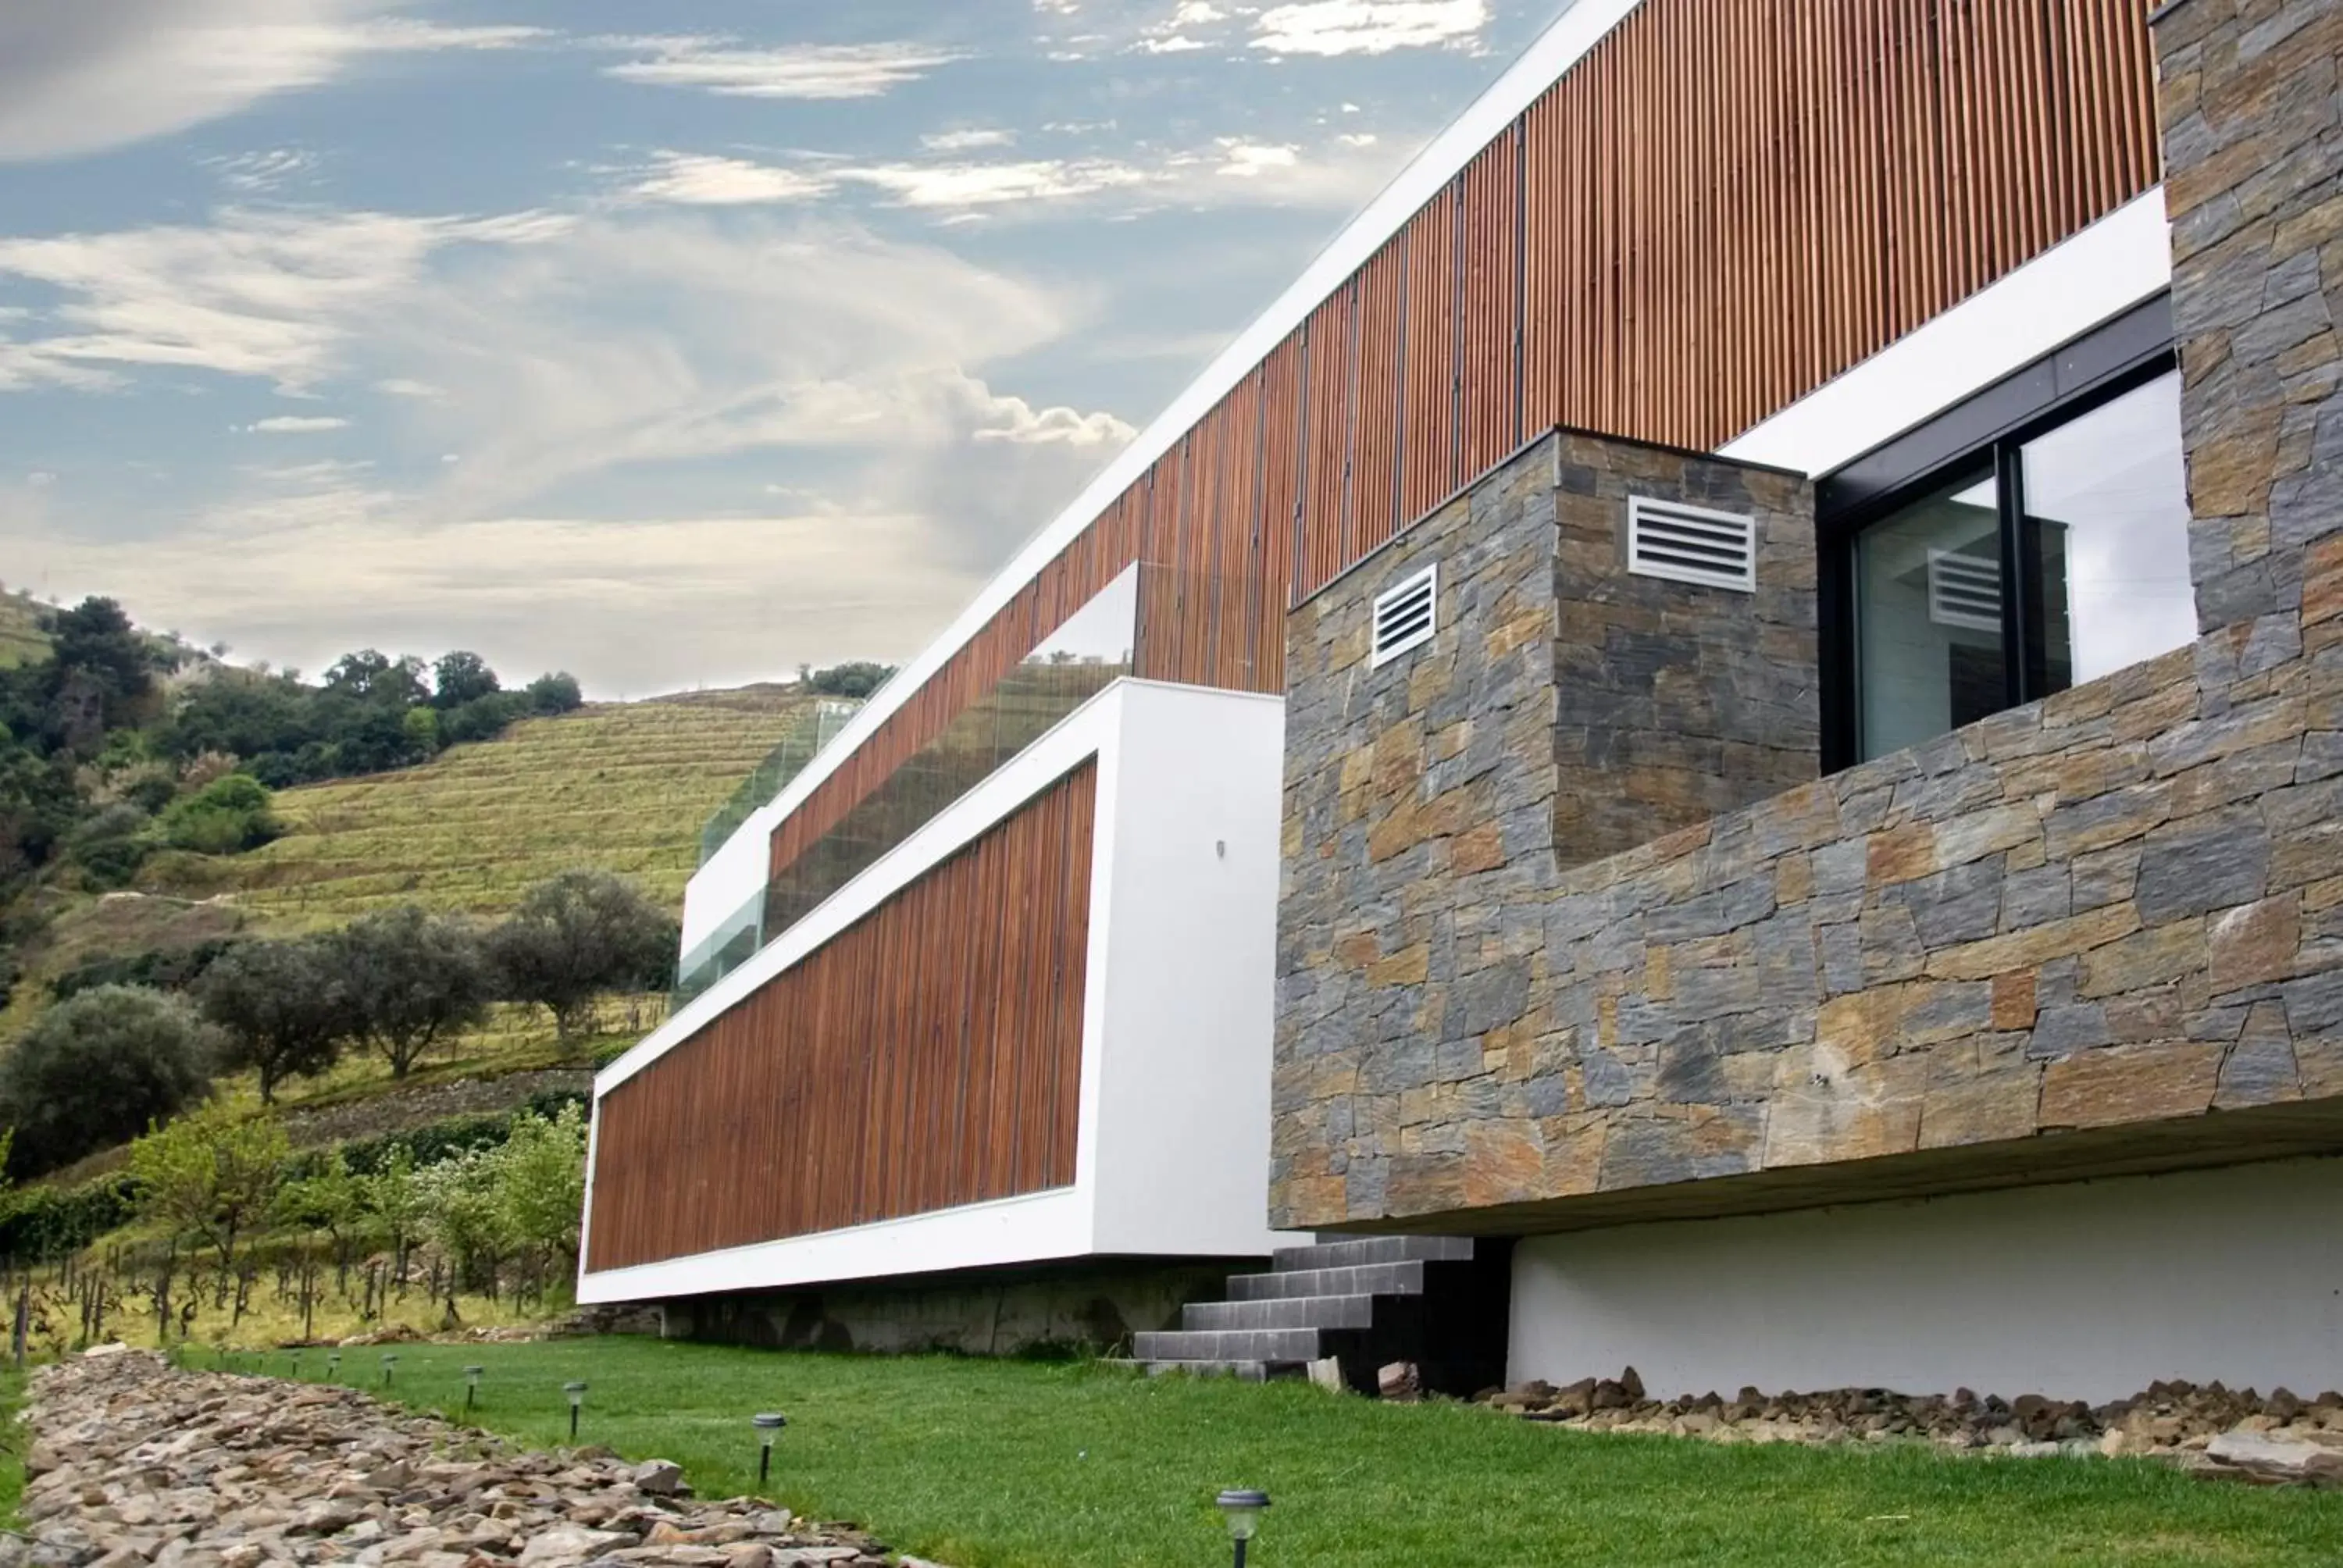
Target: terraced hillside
[(624, 786), (22, 640)]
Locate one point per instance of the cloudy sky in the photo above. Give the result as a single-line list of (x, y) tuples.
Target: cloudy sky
[(670, 343)]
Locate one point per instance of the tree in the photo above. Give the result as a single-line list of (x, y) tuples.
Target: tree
[(540, 1180), (97, 1070), (372, 676), (412, 979), (281, 1006), (460, 677), (211, 1174), (95, 652), (576, 936), (554, 693), (856, 678)]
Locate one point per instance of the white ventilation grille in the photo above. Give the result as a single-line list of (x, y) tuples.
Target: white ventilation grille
[(1691, 544), (1963, 591), (1406, 615)]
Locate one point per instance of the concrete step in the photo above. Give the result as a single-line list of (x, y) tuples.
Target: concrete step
[(1226, 1345), (1361, 1279), (1351, 1252), (1282, 1313)]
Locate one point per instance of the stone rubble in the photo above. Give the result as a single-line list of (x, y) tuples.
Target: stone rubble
[(133, 1462), (2279, 1438)]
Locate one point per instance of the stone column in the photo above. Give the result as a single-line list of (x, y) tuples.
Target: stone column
[(2253, 136)]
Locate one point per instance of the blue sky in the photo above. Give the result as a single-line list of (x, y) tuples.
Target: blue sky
[(672, 344)]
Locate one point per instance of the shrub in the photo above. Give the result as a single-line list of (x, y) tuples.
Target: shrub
[(96, 1069), (576, 936), (226, 817), (42, 1222), (111, 846), (157, 968)]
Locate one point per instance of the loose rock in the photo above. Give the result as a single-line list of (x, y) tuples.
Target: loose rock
[(133, 1462)]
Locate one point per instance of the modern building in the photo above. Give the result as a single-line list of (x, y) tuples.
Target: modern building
[(1736, 695)]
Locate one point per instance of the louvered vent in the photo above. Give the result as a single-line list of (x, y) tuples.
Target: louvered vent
[(1963, 591), (1406, 615), (1692, 544)]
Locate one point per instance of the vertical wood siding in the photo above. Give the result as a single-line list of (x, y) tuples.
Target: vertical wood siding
[(1722, 205), (928, 1057)]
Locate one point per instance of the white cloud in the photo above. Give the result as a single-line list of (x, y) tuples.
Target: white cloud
[(699, 180), (1251, 160), (266, 294), (1023, 425), (296, 424), (967, 185), (260, 172), (809, 71), (729, 349), (1332, 27), (96, 74), (967, 141), (403, 387)]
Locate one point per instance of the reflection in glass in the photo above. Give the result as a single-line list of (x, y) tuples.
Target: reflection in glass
[(1928, 617), (2106, 503)]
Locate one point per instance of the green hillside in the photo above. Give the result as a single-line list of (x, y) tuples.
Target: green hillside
[(22, 640), (624, 786)]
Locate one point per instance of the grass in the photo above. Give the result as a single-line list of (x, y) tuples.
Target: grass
[(22, 640), (1006, 1465), (12, 1445), (624, 786)]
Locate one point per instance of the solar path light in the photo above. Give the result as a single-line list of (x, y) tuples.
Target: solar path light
[(390, 1367), (297, 1366), (768, 1427), (472, 1387), (334, 1365), (1243, 1510), (577, 1392)]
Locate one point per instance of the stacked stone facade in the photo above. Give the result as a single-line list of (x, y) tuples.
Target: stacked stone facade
[(2254, 187), (2100, 933)]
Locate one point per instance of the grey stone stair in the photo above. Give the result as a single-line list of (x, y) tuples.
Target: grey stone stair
[(1359, 1280), (1282, 1313), (1354, 1251), (1227, 1345), (1359, 1301)]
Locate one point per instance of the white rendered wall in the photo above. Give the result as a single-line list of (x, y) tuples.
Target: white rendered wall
[(1172, 1140), (1188, 984), (2088, 1291)]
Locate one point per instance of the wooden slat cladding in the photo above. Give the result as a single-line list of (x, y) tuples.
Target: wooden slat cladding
[(929, 1056), (1724, 204)]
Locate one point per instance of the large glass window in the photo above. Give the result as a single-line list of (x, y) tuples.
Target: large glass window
[(2082, 527), (2106, 526)]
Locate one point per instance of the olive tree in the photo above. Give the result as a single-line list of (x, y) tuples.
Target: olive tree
[(283, 1006), (97, 1070), (412, 979), (577, 936)]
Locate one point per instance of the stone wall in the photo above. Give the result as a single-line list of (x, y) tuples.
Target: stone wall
[(2254, 187), (2118, 907), (2099, 934), (1563, 703)]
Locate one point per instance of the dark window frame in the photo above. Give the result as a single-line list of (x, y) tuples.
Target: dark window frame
[(2118, 357)]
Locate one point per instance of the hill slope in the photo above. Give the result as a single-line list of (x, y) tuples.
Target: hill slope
[(624, 786), (22, 640)]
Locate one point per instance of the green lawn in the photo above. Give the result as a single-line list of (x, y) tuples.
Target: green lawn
[(12, 1443), (1004, 1464)]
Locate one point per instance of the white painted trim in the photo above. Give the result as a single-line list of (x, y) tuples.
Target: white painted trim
[(1037, 1227), (1171, 1154), (2090, 278), (1577, 30)]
